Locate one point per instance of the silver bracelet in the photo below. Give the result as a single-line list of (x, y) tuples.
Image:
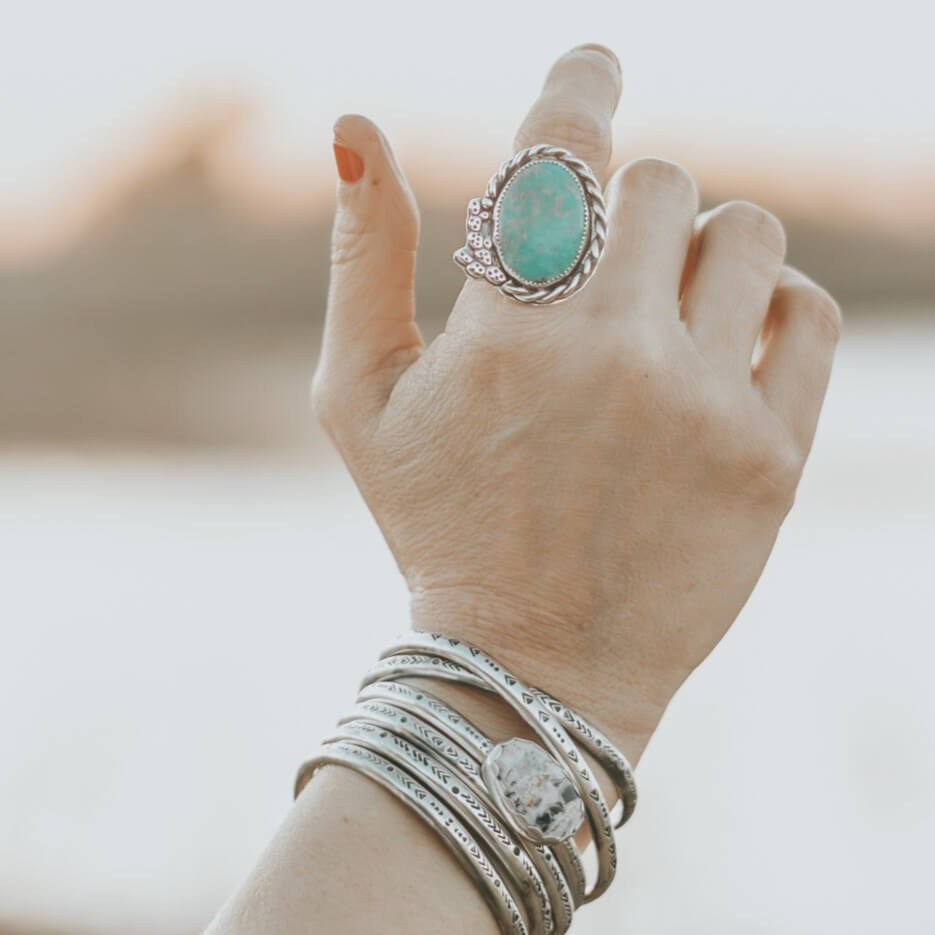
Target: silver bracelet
[(509, 811), (613, 760), (546, 725), (452, 832), (416, 722), (467, 738), (513, 863)]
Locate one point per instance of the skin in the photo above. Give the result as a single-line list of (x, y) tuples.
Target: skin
[(588, 490)]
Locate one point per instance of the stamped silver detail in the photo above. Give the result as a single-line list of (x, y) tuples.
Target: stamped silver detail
[(538, 716), (466, 735), (508, 811)]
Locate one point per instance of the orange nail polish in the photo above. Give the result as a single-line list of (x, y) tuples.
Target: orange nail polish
[(350, 165)]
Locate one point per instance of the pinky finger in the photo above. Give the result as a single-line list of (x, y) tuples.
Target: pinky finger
[(799, 337)]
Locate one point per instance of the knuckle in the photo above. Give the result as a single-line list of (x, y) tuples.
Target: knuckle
[(581, 131), (351, 239), (321, 398), (752, 221), (651, 174), (815, 304), (757, 457), (771, 469)]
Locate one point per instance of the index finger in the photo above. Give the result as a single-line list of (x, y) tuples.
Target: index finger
[(576, 106)]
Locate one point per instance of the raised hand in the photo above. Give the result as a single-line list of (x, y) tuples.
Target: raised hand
[(589, 490)]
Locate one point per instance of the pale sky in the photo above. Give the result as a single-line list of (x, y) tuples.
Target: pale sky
[(82, 83)]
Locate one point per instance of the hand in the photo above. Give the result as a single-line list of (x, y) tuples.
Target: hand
[(588, 490)]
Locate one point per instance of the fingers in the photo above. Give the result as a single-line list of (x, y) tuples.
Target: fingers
[(735, 289), (799, 338), (370, 334), (576, 106), (735, 264), (651, 207)]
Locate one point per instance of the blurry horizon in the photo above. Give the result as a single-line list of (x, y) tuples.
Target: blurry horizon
[(212, 125), (839, 129), (184, 280), (183, 305)]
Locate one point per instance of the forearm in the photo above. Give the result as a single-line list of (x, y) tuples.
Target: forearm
[(350, 858)]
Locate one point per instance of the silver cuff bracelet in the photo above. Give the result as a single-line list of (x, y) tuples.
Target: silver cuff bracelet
[(509, 811)]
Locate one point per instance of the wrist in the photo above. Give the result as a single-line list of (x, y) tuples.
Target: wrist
[(610, 690)]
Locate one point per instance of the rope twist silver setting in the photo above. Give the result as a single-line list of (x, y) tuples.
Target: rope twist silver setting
[(478, 257)]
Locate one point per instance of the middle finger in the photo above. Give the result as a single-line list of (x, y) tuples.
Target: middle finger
[(576, 105)]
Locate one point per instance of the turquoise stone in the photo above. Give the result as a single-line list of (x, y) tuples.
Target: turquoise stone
[(541, 222)]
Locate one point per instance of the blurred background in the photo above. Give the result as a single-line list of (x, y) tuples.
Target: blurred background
[(180, 547)]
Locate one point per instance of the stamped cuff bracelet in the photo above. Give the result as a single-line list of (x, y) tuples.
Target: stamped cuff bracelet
[(509, 811)]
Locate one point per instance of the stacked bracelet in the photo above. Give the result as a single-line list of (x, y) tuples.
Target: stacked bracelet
[(509, 812)]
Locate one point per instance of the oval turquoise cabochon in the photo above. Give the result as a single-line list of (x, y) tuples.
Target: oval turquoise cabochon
[(540, 222)]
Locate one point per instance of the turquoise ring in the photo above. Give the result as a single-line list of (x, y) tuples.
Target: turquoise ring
[(538, 231)]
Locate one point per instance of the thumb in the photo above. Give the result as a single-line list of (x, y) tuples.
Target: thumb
[(370, 333)]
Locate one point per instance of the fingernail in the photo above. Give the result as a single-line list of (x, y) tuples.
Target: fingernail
[(603, 50), (350, 165)]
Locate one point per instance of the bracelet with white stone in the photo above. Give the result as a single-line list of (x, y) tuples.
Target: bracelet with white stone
[(540, 794), (611, 758), (559, 864), (510, 811), (475, 745)]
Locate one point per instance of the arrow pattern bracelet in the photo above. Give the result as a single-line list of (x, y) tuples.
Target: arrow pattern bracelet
[(509, 812)]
